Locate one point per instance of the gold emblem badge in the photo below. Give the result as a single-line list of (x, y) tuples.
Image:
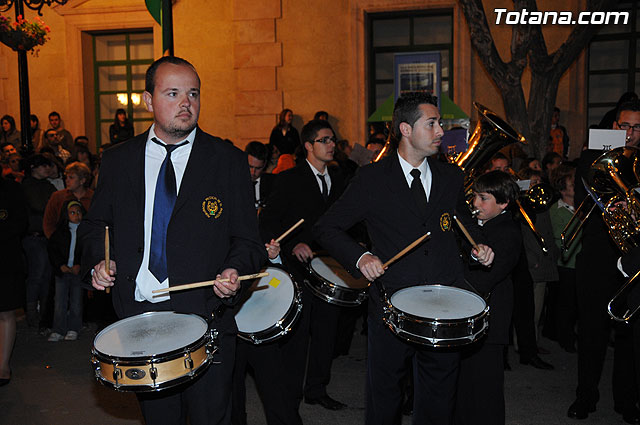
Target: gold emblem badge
[(4, 214), (212, 207), (445, 222)]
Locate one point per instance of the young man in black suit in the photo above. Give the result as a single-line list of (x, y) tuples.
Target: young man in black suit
[(178, 203), (262, 182), (398, 205), (306, 191), (599, 279)]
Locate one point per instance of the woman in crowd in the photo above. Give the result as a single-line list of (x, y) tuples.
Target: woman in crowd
[(9, 131), (121, 129)]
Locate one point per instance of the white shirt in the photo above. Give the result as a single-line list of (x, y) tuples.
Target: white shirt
[(327, 178), (256, 189), (425, 173), (154, 155)]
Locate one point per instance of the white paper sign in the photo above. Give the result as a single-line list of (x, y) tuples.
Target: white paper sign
[(606, 139)]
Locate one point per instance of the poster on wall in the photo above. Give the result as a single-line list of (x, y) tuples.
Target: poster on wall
[(418, 71)]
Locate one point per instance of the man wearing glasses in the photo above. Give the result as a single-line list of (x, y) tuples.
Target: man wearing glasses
[(596, 270), (306, 191)]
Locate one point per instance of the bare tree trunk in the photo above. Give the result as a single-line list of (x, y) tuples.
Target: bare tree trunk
[(532, 119)]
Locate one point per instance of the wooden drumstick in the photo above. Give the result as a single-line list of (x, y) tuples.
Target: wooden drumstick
[(106, 254), (466, 234), (208, 283), (407, 249), (291, 229)]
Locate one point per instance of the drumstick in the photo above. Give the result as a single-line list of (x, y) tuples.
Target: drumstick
[(407, 249), (208, 283), (466, 234), (106, 254), (291, 229)]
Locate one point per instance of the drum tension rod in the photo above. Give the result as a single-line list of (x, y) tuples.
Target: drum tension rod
[(117, 373), (188, 362), (153, 373)]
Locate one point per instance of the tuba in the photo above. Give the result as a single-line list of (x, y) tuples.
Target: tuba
[(490, 135), (613, 183)]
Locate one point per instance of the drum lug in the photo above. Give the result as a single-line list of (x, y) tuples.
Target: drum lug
[(153, 373), (117, 374), (188, 362)]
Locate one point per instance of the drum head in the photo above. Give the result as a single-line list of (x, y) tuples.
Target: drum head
[(269, 300), (332, 271), (150, 334), (438, 302)]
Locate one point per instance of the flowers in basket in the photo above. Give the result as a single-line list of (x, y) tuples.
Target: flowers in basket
[(22, 34)]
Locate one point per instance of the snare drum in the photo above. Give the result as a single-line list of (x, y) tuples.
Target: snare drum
[(152, 351), (333, 284), (272, 307), (436, 315)]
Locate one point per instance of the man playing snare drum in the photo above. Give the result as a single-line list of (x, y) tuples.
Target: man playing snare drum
[(179, 206), (398, 210)]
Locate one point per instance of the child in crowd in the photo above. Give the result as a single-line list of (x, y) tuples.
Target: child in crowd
[(480, 398), (65, 258)]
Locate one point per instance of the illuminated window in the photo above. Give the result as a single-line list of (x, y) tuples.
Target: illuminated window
[(120, 63)]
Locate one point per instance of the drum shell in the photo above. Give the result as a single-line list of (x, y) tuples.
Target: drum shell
[(333, 293), (436, 332), (284, 325), (172, 368)]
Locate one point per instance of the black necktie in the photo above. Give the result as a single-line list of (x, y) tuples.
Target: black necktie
[(325, 188), (417, 190), (163, 202)]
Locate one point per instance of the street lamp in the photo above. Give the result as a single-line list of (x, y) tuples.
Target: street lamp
[(23, 71)]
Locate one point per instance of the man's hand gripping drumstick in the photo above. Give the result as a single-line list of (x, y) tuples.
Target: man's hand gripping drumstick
[(372, 268)]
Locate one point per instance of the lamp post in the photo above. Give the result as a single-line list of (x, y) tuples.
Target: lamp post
[(23, 70)]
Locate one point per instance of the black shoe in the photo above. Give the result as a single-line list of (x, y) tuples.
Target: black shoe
[(536, 362), (580, 409), (326, 402)]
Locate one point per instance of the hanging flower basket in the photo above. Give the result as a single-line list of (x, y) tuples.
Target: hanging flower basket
[(22, 34)]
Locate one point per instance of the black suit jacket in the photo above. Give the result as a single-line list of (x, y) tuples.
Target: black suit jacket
[(379, 195), (213, 225), (266, 186), (296, 194), (494, 283)]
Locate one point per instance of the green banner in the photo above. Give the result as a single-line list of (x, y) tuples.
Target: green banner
[(155, 9)]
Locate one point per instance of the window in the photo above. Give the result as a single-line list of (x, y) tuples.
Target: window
[(614, 63), (404, 32), (120, 62)]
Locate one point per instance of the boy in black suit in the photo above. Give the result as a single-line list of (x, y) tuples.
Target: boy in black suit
[(480, 397)]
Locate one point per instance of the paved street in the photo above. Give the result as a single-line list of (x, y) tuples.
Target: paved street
[(53, 384)]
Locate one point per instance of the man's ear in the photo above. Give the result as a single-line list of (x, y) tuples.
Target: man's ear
[(146, 96), (405, 129)]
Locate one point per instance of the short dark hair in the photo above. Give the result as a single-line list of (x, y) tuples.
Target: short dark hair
[(631, 105), (374, 138), (407, 109), (54, 114), (37, 160), (321, 114), (526, 173), (311, 129), (548, 159), (4, 145), (558, 177), (149, 78), (499, 184), (46, 133), (257, 150), (556, 109)]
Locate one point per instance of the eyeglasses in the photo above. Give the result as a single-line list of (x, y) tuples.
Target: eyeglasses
[(326, 140), (626, 126)]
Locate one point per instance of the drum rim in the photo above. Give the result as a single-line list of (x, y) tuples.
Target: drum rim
[(346, 289), (291, 317), (141, 360), (296, 289), (477, 316)]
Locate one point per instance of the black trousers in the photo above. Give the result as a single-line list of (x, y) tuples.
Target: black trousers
[(435, 374), (597, 284), (524, 309), (480, 396), (269, 370), (204, 401)]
